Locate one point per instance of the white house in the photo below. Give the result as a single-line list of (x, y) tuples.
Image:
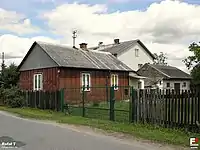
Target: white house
[(133, 53), (164, 77)]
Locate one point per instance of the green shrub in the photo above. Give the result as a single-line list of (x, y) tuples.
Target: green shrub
[(13, 97), (1, 96)]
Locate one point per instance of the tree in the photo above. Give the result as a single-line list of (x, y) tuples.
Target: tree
[(9, 76), (193, 62), (160, 59)]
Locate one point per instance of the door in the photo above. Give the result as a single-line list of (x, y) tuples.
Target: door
[(177, 86)]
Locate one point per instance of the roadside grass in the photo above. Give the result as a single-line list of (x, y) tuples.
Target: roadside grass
[(141, 131)]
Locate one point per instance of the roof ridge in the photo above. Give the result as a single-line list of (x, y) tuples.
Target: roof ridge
[(112, 44), (54, 44)]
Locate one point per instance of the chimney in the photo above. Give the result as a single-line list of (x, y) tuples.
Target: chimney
[(83, 46), (100, 44), (115, 54), (116, 41)]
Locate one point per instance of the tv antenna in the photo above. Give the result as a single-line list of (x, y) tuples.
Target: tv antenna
[(74, 36), (3, 61)]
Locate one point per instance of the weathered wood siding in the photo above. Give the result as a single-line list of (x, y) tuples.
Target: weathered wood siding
[(50, 79), (70, 79)]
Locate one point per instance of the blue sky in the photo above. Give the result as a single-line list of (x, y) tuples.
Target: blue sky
[(31, 8), (168, 26)]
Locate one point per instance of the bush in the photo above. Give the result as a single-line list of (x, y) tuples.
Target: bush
[(13, 97), (1, 96)]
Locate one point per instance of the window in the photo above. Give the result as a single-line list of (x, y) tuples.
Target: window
[(139, 85), (136, 52), (184, 84), (160, 82), (114, 81), (86, 82), (37, 82), (168, 84), (139, 66)]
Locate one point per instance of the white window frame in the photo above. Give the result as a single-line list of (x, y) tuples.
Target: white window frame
[(38, 85), (136, 52), (88, 83), (116, 81), (184, 84)]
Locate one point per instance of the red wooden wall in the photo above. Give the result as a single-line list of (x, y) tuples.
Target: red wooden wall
[(50, 79), (70, 79)]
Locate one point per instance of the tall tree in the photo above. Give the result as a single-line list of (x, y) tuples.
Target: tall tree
[(193, 62), (161, 59), (9, 76)]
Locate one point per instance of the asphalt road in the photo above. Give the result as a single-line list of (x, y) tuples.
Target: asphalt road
[(38, 135)]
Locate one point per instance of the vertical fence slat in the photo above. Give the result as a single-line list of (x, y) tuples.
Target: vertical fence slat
[(188, 106), (169, 108), (192, 107), (172, 108), (182, 107), (175, 109), (178, 108)]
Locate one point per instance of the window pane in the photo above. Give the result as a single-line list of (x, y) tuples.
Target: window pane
[(39, 81), (35, 82), (112, 80), (83, 80), (88, 81)]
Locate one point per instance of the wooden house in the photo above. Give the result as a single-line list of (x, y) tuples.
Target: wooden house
[(52, 67)]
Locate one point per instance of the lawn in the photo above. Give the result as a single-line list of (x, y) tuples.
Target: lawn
[(102, 111), (148, 132)]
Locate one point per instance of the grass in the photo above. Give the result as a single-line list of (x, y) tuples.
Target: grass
[(101, 110), (163, 135)]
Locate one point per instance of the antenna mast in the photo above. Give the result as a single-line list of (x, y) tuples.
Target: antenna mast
[(74, 38), (3, 62)]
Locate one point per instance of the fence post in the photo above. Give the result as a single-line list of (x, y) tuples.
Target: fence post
[(62, 99), (132, 106), (83, 99), (112, 104)]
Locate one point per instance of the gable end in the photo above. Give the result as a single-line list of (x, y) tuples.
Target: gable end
[(36, 58)]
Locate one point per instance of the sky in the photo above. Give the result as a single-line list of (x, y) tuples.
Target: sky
[(167, 26)]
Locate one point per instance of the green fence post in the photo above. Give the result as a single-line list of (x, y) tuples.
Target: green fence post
[(83, 100), (133, 106), (112, 104), (62, 100)]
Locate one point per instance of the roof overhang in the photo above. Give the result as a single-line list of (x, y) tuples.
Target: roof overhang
[(134, 75)]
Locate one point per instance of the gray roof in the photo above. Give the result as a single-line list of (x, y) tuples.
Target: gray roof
[(171, 72), (65, 56), (122, 47)]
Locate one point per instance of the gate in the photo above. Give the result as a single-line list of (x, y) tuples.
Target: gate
[(107, 103)]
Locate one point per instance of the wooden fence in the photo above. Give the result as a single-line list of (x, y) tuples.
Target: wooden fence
[(168, 108), (43, 99)]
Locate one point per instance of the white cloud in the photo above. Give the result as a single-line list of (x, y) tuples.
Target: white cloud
[(16, 23), (125, 1), (16, 47), (167, 26)]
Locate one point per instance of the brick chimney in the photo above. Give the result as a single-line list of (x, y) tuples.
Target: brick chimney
[(116, 41), (83, 46)]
